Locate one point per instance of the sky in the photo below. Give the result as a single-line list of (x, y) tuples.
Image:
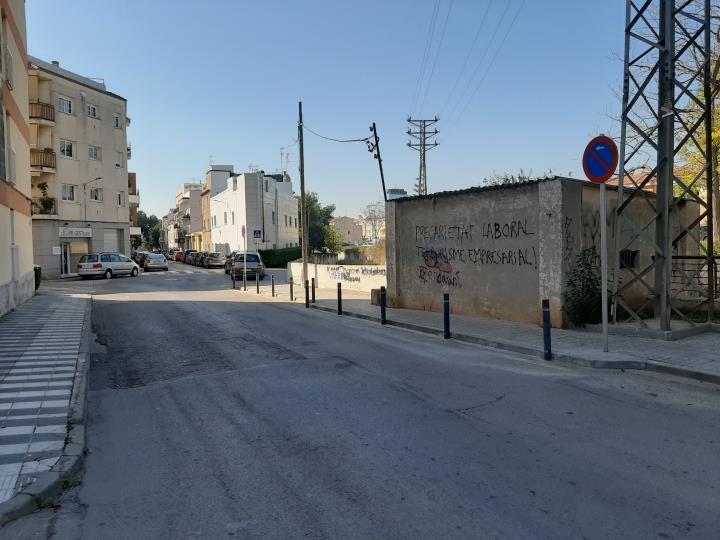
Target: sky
[(220, 81)]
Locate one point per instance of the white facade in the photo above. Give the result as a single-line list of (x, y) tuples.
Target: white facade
[(263, 204), (79, 153)]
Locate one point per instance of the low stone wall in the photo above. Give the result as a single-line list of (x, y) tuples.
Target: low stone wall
[(14, 293), (353, 277)]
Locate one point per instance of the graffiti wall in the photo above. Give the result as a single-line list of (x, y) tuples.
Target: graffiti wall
[(482, 248), (354, 277)]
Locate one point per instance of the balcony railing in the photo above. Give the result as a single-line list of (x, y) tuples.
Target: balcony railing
[(44, 206), (44, 111), (42, 158)]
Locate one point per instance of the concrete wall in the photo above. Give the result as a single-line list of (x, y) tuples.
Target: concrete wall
[(353, 277)]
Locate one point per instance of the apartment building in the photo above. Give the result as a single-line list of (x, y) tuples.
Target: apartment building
[(350, 229), (134, 205), (78, 163), (215, 181), (188, 216), (16, 254), (256, 208)]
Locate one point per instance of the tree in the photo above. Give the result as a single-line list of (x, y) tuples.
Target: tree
[(322, 236), (508, 179), (155, 235), (147, 224), (374, 216)]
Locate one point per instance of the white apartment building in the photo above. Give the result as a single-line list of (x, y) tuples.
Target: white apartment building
[(16, 255), (188, 218), (262, 205), (78, 162)]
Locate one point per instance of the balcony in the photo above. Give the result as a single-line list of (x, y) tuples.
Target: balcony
[(43, 113), (134, 200), (42, 161), (44, 206)]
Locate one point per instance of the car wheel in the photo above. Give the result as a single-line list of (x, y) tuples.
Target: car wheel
[(134, 272), (165, 269), (83, 277), (108, 274)]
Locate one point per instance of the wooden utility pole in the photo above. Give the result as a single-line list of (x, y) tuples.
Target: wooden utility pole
[(375, 148), (303, 214)]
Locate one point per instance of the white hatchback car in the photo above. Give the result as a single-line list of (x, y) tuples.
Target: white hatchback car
[(106, 265)]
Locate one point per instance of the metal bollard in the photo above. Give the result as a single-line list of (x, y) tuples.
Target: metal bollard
[(257, 284), (446, 315), (307, 296), (272, 285), (312, 288), (339, 298), (244, 281), (232, 275), (546, 330), (383, 304), (292, 295)]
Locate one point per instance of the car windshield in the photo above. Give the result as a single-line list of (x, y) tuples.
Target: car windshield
[(88, 258), (250, 258)]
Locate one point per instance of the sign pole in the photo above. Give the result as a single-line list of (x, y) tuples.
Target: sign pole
[(603, 265)]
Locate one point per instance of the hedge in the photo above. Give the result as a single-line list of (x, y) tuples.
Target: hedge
[(278, 258)]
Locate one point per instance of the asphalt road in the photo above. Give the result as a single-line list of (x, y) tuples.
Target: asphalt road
[(213, 414)]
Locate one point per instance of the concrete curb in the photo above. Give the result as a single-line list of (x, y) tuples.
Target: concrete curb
[(537, 352), (49, 484)]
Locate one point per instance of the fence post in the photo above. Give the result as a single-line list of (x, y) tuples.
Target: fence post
[(272, 285), (546, 330), (339, 298), (383, 304), (307, 295), (446, 315), (292, 295), (312, 298), (244, 280)]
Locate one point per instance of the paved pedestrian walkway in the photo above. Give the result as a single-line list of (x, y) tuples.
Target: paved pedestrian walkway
[(695, 356), (39, 347)]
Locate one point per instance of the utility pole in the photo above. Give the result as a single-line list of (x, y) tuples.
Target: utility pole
[(423, 143), (375, 148), (304, 217)]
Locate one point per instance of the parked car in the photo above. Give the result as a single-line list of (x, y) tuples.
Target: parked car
[(229, 261), (178, 256), (198, 260), (140, 258), (254, 267), (189, 255), (106, 265), (155, 261), (214, 260)]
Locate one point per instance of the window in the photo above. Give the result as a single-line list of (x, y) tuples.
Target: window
[(92, 111), (225, 216), (116, 120), (273, 217), (233, 218), (266, 186), (9, 68), (118, 159), (96, 194), (65, 105), (93, 153), (114, 257), (124, 259), (66, 148), (68, 192), (214, 221), (296, 223), (88, 259), (11, 167), (121, 198), (286, 220), (105, 258), (629, 258)]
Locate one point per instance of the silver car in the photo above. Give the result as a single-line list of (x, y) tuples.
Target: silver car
[(155, 261), (106, 265), (254, 266)]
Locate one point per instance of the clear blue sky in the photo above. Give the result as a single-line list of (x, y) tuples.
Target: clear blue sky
[(223, 78)]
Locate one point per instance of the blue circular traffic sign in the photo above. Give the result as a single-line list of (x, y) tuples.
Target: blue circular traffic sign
[(600, 159)]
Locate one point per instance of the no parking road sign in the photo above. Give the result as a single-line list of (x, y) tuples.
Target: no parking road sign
[(600, 159)]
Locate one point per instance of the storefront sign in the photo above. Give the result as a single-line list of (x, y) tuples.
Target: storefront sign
[(75, 232)]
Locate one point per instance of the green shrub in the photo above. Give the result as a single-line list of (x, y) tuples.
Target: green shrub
[(38, 276), (278, 258), (583, 295)]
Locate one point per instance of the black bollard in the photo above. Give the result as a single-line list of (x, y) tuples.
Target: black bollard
[(257, 283), (383, 304), (307, 294), (272, 285), (312, 298), (244, 281), (339, 298), (446, 315), (292, 295), (232, 276), (546, 330)]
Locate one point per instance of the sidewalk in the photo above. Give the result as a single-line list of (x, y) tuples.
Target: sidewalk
[(696, 357), (39, 349)]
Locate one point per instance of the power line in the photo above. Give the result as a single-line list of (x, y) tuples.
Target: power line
[(423, 63), (437, 54), (482, 59), (467, 57), (492, 60), (364, 139)]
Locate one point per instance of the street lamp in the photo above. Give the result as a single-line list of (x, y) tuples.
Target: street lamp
[(85, 195)]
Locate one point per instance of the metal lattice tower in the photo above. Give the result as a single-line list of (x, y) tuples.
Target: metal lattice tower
[(664, 213), (423, 144)]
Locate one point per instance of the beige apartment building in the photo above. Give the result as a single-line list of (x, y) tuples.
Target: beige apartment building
[(78, 163), (16, 253)]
